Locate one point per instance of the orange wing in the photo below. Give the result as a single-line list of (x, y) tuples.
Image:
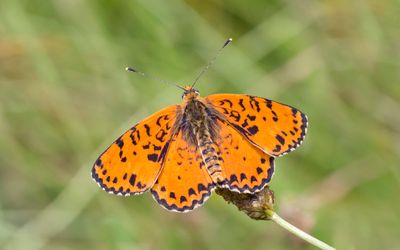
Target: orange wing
[(276, 128), (184, 182), (245, 167), (133, 162)]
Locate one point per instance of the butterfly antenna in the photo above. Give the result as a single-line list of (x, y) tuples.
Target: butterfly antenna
[(211, 61), (130, 69)]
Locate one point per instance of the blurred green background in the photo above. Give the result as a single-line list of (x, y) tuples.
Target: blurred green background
[(64, 97)]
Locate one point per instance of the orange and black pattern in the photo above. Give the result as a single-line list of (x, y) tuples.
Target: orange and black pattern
[(276, 128), (184, 182), (183, 152), (133, 162)]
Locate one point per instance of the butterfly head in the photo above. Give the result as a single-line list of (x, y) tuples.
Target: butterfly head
[(190, 93)]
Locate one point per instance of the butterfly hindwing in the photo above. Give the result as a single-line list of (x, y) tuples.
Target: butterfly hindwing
[(133, 162), (184, 183), (245, 167), (276, 128)]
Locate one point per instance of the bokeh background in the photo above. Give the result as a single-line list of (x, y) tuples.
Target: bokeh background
[(64, 97)]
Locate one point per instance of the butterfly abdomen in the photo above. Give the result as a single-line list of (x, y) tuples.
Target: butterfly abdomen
[(200, 128), (209, 152)]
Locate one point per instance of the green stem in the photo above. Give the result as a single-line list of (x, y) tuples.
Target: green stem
[(296, 231)]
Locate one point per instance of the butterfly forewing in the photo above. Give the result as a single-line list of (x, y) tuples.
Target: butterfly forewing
[(276, 128), (133, 162)]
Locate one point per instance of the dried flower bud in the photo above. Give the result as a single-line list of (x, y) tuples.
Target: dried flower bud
[(256, 206)]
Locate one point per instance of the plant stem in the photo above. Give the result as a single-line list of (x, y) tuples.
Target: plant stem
[(296, 231)]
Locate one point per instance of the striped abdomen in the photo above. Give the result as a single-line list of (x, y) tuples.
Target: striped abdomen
[(210, 156)]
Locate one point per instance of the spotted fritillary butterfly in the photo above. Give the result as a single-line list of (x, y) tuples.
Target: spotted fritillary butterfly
[(183, 152)]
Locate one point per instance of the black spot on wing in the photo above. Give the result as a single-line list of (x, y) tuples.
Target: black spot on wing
[(147, 127), (156, 148), (133, 136), (233, 178), (158, 121), (235, 115), (245, 123), (254, 104), (132, 179), (222, 102), (152, 157), (147, 146), (269, 103), (191, 192), (294, 112), (280, 139), (119, 142), (277, 148), (182, 199), (201, 187), (140, 185), (253, 130), (251, 117), (99, 163), (275, 116), (241, 105), (161, 134)]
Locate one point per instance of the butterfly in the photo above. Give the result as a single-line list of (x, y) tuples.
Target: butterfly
[(185, 151)]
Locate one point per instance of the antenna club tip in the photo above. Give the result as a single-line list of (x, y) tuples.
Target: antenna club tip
[(227, 42), (130, 69)]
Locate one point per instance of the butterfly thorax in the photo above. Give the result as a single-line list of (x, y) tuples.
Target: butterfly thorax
[(200, 129)]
